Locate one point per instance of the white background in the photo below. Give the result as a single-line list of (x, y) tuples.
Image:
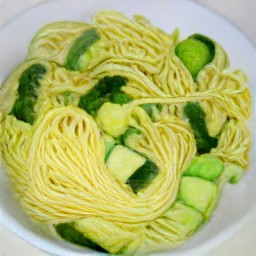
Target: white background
[(242, 13)]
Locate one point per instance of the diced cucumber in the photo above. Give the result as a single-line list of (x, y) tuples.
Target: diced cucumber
[(94, 99), (195, 52), (109, 145), (113, 118), (79, 47), (68, 232), (108, 234), (119, 97), (153, 110), (197, 193), (196, 116), (143, 176), (29, 82), (123, 162), (206, 167), (233, 173), (130, 137), (183, 219)]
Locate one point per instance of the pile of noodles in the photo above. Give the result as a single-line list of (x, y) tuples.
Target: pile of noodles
[(57, 164)]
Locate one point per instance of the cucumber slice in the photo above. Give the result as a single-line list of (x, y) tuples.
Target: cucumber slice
[(183, 219), (197, 193), (123, 162), (113, 118), (94, 99), (130, 137), (110, 144), (143, 176), (29, 83), (80, 46), (195, 52), (69, 233), (206, 167)]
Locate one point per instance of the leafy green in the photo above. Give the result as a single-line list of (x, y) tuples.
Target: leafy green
[(81, 45), (196, 116), (195, 52), (142, 176), (29, 82), (68, 232), (101, 92)]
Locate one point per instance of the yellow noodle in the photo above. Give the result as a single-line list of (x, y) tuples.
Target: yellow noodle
[(57, 164)]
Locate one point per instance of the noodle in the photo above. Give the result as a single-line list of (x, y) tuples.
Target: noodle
[(56, 164)]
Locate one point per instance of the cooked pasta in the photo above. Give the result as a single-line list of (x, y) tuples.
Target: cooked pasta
[(111, 129)]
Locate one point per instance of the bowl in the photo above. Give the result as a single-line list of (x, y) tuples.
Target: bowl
[(237, 201)]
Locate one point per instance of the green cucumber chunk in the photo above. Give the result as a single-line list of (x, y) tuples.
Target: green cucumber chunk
[(232, 172), (152, 110), (143, 176), (29, 83), (68, 232), (196, 116), (119, 97), (99, 94), (123, 162), (109, 145), (197, 193), (195, 52), (183, 219), (130, 137), (113, 118), (80, 46), (206, 167)]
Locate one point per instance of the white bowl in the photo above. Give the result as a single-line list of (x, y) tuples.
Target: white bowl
[(237, 201)]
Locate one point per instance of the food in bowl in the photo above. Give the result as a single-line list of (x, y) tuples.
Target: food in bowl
[(120, 136)]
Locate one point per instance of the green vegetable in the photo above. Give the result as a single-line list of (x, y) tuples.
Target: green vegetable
[(142, 177), (119, 97), (195, 52), (206, 167), (113, 118), (125, 138), (197, 193), (99, 94), (131, 168), (148, 108), (183, 219), (67, 96), (68, 232), (152, 109), (81, 45), (233, 173), (123, 162), (29, 82), (110, 144), (196, 116)]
